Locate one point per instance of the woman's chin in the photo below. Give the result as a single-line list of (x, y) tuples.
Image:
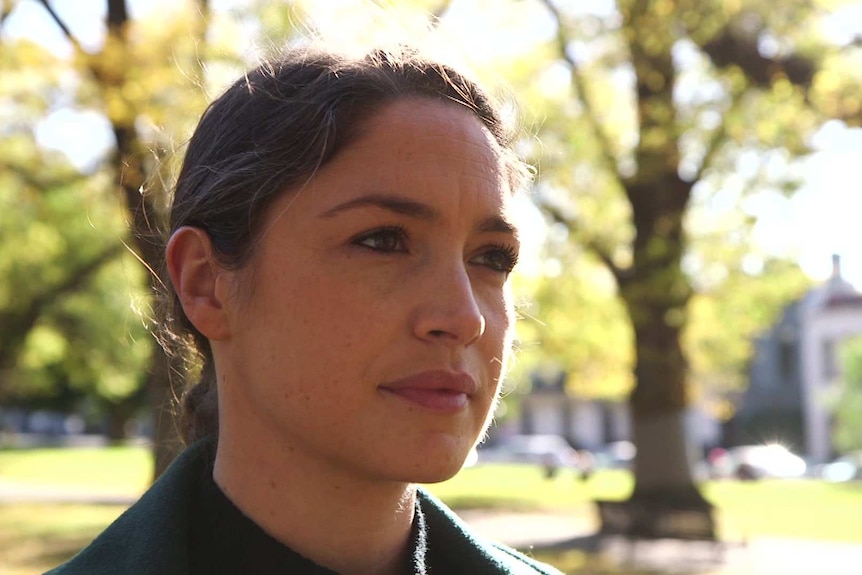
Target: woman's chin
[(431, 471), (428, 458)]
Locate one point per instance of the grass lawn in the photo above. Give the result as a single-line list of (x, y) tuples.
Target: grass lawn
[(798, 509), (114, 470), (776, 508), (35, 536)]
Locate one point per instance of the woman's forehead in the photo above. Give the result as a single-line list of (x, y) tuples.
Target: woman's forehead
[(418, 158), (424, 142), (427, 119)]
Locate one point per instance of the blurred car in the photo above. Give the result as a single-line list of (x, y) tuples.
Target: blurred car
[(749, 462), (846, 468), (616, 455), (552, 452)]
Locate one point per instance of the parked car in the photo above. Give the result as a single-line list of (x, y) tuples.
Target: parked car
[(846, 468), (749, 462), (616, 455), (552, 452)]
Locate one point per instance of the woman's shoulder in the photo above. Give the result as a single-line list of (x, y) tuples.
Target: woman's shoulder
[(452, 537)]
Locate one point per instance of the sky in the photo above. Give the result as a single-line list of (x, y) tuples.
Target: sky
[(823, 218)]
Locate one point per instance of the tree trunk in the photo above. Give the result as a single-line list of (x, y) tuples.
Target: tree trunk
[(658, 406), (655, 289), (146, 219), (118, 414), (656, 293), (147, 223)]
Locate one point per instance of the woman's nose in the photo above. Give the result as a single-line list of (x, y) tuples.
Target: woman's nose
[(448, 311)]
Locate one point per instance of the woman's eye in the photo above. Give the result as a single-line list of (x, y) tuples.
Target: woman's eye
[(500, 258), (389, 239)]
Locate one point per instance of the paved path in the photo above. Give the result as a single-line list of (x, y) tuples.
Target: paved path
[(761, 556)]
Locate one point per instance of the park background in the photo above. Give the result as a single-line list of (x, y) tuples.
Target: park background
[(696, 171)]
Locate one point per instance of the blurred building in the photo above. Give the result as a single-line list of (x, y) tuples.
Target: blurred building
[(593, 424), (795, 372)]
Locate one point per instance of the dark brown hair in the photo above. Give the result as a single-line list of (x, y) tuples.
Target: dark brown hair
[(269, 133)]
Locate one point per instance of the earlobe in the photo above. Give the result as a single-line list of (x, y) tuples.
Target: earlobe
[(195, 275)]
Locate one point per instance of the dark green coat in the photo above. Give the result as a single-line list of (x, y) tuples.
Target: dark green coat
[(151, 537)]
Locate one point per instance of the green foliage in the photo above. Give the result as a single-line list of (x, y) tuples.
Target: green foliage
[(87, 338), (575, 322), (847, 434), (67, 326), (611, 152), (733, 306), (107, 343), (75, 310)]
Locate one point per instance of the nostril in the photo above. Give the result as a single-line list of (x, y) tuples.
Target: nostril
[(437, 333)]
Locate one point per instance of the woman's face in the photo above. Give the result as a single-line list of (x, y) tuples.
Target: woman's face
[(371, 326)]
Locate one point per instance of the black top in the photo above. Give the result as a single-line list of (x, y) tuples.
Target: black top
[(222, 540)]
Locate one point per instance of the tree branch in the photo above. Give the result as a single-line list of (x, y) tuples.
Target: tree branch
[(62, 25), (118, 14), (5, 10), (605, 147), (718, 136), (18, 323), (28, 178), (592, 244), (735, 47)]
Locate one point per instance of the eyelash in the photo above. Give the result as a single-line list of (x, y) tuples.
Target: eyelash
[(387, 232), (508, 253)]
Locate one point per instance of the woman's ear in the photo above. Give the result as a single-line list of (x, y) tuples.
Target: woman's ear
[(196, 275)]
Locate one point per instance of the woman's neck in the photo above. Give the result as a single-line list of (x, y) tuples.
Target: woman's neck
[(348, 524)]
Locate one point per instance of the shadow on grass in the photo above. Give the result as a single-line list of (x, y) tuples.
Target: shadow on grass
[(573, 562), (35, 537), (37, 555), (56, 551), (594, 555), (479, 502)]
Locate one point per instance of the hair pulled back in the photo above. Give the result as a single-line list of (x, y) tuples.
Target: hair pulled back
[(268, 134)]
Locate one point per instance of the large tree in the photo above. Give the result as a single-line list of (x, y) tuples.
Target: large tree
[(663, 100), (146, 80), (66, 330)]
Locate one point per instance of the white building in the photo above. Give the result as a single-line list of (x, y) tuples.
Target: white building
[(829, 315), (795, 373), (592, 424)]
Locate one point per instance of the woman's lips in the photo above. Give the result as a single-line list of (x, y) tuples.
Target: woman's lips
[(437, 390)]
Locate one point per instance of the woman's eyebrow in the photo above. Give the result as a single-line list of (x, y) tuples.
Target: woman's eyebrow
[(416, 209), (498, 224), (396, 204)]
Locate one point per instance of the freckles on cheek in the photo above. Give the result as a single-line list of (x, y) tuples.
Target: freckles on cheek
[(500, 316)]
